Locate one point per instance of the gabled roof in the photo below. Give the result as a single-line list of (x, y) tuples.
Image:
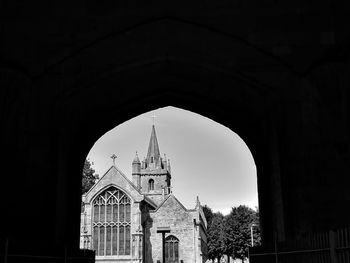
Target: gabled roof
[(150, 201), (125, 184), (166, 199)]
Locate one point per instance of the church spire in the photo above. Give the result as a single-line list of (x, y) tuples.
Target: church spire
[(153, 154)]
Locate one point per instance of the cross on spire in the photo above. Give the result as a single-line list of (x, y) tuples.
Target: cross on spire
[(113, 158), (153, 118)]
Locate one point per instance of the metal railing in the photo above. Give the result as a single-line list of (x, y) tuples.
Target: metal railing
[(325, 247)]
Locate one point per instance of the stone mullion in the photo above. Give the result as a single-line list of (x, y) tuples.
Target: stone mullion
[(105, 228), (124, 231), (99, 228), (118, 224), (99, 240), (124, 228), (172, 249), (111, 226)]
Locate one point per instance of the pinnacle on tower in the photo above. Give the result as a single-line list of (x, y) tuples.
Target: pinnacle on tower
[(169, 168), (136, 171), (136, 159), (197, 202)]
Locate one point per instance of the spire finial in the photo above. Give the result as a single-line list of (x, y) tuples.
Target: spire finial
[(113, 158), (153, 118)]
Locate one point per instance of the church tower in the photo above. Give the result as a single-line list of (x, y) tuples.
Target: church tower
[(155, 172)]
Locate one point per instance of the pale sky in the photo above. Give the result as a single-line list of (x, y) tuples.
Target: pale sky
[(207, 159)]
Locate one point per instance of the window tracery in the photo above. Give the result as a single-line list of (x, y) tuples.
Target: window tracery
[(171, 249), (112, 223)]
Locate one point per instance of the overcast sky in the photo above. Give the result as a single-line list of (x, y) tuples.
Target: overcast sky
[(207, 159)]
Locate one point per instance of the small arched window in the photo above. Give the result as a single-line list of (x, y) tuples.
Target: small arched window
[(151, 159), (150, 184), (171, 249)]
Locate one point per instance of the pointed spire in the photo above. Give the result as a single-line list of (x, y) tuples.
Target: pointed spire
[(153, 154)]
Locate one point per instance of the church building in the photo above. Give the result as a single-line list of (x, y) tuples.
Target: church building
[(121, 218)]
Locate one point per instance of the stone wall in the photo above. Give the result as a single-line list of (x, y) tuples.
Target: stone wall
[(160, 181), (171, 214)]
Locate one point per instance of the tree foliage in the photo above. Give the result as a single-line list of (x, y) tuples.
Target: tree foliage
[(230, 235), (238, 231), (89, 177), (216, 237)]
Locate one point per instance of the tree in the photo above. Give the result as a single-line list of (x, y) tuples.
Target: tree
[(208, 213), (256, 230), (216, 244), (237, 230), (89, 177)]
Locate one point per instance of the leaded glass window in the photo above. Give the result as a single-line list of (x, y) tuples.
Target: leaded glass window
[(112, 223), (171, 249)]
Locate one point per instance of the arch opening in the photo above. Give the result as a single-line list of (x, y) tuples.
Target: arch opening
[(154, 169)]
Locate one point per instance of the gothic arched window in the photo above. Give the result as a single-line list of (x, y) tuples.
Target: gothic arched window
[(150, 184), (112, 223), (171, 249)]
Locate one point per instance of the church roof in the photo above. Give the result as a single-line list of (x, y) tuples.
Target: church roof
[(153, 148), (173, 197), (115, 170), (149, 201)]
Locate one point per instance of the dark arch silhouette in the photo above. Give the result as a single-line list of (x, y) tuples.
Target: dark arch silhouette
[(59, 98)]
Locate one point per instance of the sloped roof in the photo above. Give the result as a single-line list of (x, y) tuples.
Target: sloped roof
[(104, 182), (165, 200)]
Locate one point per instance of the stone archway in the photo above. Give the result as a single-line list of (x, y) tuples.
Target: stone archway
[(253, 127), (86, 93)]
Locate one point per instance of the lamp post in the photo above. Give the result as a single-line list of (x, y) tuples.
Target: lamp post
[(251, 233)]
